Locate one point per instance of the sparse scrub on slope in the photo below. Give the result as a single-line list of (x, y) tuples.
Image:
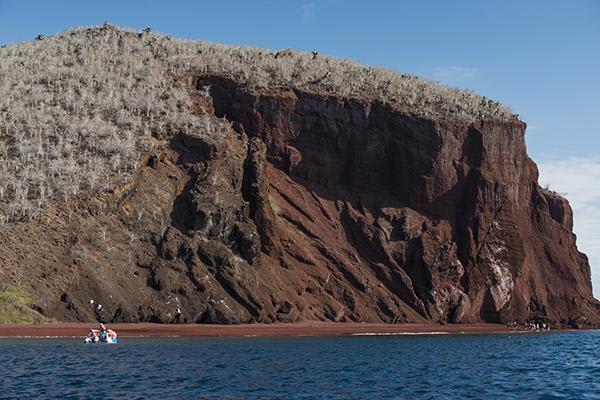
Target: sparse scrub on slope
[(78, 109), (75, 114)]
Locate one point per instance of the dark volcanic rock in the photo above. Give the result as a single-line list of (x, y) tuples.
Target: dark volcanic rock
[(315, 207)]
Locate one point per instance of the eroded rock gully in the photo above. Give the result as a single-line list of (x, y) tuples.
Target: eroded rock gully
[(314, 208)]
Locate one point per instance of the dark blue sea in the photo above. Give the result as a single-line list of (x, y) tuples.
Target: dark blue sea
[(518, 366)]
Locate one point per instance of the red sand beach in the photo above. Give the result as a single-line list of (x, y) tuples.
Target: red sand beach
[(66, 329)]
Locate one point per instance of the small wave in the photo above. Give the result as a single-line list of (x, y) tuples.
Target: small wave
[(399, 333), (42, 337)]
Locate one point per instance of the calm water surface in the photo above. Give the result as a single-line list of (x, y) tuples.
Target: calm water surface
[(527, 366)]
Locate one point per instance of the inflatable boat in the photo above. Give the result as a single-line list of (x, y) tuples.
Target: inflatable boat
[(95, 336)]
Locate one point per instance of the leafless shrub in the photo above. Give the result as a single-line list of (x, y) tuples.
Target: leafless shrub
[(102, 231), (132, 237)]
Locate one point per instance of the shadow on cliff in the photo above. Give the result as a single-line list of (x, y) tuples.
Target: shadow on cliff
[(368, 156)]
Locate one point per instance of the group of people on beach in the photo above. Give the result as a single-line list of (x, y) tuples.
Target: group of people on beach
[(530, 326)]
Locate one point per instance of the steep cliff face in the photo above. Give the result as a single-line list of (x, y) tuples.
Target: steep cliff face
[(313, 207)]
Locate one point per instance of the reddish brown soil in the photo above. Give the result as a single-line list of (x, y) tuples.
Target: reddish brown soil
[(277, 329)]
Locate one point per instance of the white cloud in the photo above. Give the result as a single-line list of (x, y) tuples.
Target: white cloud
[(454, 73), (307, 10), (578, 178)]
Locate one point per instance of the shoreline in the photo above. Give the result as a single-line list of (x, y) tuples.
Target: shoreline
[(302, 329)]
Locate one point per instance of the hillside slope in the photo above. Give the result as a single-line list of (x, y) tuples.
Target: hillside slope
[(152, 179)]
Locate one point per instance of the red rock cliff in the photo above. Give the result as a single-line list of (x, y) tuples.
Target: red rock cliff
[(318, 208)]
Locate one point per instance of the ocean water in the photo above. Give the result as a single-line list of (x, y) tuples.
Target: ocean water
[(521, 366)]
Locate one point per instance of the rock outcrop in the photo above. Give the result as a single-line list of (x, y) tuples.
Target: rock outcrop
[(312, 207)]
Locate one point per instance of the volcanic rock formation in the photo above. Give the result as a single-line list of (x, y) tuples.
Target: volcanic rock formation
[(312, 206)]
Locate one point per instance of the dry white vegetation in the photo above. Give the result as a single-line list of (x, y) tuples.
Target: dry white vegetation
[(77, 109)]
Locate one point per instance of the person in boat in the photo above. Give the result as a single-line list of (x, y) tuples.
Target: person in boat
[(103, 332)]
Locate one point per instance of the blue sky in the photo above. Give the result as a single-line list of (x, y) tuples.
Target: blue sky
[(542, 58)]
